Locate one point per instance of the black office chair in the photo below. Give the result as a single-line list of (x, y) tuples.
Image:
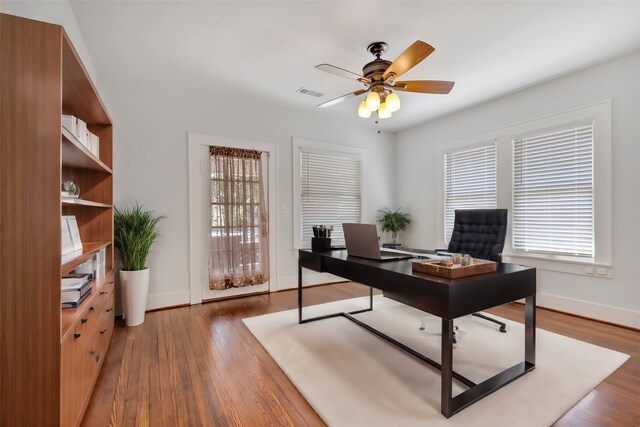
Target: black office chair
[(480, 233)]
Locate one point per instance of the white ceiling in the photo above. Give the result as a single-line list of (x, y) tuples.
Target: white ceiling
[(267, 50)]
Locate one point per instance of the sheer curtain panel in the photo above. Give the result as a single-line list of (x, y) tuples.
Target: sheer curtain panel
[(238, 249)]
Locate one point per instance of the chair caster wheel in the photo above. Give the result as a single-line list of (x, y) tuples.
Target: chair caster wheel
[(503, 329), (422, 328)]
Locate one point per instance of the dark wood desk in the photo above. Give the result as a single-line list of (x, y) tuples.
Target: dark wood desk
[(445, 298)]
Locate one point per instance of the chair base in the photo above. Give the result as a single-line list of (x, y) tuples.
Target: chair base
[(503, 326), (423, 326)]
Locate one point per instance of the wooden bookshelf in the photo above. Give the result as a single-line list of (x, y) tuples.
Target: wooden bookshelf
[(48, 355)]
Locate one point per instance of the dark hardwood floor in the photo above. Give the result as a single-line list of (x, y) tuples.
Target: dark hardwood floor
[(200, 366)]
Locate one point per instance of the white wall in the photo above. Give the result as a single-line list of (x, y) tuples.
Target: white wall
[(616, 300), (54, 12), (151, 122)]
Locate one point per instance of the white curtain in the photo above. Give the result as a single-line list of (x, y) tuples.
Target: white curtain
[(238, 249)]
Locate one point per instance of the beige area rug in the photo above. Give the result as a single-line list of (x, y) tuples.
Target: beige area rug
[(353, 378)]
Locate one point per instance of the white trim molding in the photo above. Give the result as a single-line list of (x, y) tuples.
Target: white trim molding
[(198, 144), (606, 313), (171, 299)]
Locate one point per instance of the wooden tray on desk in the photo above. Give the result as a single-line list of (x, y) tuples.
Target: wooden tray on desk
[(433, 267)]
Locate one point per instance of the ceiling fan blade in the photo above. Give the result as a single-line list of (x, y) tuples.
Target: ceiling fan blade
[(332, 69), (342, 98), (424, 86), (408, 59)]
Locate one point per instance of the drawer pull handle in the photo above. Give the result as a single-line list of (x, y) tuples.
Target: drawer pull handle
[(76, 335), (97, 358), (111, 282), (109, 309), (83, 320), (103, 292), (103, 331), (92, 308)]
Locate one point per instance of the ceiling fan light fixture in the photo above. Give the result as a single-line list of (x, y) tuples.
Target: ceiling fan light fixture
[(373, 101), (393, 102), (383, 111), (363, 111)]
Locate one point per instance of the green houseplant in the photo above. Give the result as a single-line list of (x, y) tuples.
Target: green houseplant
[(393, 221), (135, 232)]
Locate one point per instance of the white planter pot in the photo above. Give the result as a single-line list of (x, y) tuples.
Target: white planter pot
[(134, 288)]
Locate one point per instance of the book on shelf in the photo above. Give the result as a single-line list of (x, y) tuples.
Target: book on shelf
[(75, 234), (74, 295), (73, 280), (101, 260), (70, 123), (94, 144), (87, 268), (67, 242), (76, 303)]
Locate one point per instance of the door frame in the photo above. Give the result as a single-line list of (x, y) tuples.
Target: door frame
[(198, 245)]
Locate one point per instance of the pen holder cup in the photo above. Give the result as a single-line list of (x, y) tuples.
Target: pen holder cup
[(320, 244)]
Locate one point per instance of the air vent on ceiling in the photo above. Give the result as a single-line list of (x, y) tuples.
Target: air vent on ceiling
[(305, 91)]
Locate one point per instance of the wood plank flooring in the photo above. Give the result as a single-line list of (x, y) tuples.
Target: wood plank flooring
[(200, 366)]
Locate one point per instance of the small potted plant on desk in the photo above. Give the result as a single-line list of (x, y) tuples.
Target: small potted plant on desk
[(393, 221), (135, 231)]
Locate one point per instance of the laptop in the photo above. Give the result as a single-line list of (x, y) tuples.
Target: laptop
[(362, 242)]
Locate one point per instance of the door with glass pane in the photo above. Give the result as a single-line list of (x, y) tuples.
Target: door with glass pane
[(238, 249)]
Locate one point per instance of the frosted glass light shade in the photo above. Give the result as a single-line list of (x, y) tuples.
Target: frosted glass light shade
[(363, 111), (373, 101), (393, 102), (383, 111)]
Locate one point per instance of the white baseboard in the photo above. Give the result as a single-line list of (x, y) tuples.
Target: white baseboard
[(171, 299), (308, 279), (619, 316)]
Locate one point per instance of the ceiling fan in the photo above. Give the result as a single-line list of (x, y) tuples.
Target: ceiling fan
[(379, 76)]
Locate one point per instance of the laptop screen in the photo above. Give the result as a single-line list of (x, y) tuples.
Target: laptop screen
[(361, 240)]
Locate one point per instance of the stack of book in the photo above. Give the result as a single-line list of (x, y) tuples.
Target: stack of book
[(78, 128), (75, 288)]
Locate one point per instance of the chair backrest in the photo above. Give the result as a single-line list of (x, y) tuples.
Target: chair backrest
[(480, 233)]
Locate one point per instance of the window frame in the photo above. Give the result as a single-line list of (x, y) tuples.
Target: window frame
[(600, 114), (301, 145)]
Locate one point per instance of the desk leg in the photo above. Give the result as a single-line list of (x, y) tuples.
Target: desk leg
[(370, 298), (530, 329), (447, 368), (299, 294)]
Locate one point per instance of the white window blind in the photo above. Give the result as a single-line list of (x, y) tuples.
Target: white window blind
[(331, 193), (553, 209), (469, 182)]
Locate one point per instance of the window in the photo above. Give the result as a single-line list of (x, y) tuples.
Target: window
[(329, 188), (331, 193), (552, 173), (553, 192), (469, 182)]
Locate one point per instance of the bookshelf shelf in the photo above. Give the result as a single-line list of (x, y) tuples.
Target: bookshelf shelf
[(76, 155), (82, 202), (88, 250)]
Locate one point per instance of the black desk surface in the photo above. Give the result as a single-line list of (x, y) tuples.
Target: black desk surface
[(446, 298)]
